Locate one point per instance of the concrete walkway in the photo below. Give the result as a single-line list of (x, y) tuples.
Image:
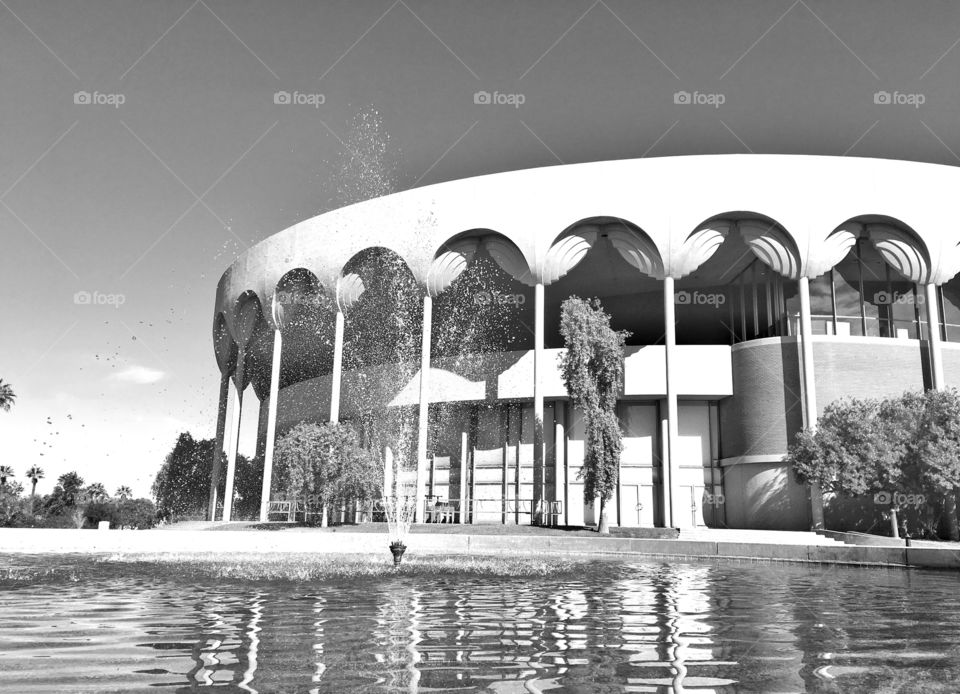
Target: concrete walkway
[(716, 544)]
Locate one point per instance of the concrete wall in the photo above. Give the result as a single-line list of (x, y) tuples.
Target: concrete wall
[(703, 372)]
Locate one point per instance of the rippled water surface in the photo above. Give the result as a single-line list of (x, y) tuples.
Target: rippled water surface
[(615, 627)]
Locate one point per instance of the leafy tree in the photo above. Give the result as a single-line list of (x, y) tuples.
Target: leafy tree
[(326, 464), (898, 449), (182, 485), (123, 493), (937, 452), (11, 506), (137, 513), (592, 370), (5, 472), (66, 495), (7, 396)]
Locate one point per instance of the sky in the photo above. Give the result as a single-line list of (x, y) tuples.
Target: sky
[(147, 143)]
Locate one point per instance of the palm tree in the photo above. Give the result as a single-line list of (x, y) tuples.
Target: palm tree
[(7, 396), (5, 472), (96, 492), (34, 474), (123, 493)]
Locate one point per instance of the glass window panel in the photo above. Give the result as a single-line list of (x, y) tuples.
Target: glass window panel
[(846, 284), (903, 309), (951, 309), (873, 270), (791, 296), (821, 305)]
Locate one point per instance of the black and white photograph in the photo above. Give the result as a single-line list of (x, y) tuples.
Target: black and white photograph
[(482, 346)]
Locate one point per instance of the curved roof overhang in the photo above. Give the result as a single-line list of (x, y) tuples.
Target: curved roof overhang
[(811, 198)]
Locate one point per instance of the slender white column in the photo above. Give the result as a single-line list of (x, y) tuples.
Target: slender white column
[(673, 516), (939, 383), (664, 434), (561, 484), (538, 443), (809, 391), (423, 423), (234, 441), (271, 425), (335, 375), (464, 453), (933, 329), (218, 451)]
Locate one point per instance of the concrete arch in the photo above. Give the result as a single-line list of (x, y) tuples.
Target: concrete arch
[(304, 312), (224, 348), (455, 254), (295, 290), (771, 243), (633, 244), (898, 244), (247, 313)]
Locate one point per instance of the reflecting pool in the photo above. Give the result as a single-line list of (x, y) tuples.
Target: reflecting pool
[(644, 626)]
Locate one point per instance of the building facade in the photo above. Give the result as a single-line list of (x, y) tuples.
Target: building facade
[(756, 290)]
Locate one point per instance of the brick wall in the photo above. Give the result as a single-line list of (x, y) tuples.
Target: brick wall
[(765, 410)]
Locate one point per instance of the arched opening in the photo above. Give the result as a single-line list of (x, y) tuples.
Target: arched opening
[(633, 298), (385, 323), (305, 312), (864, 294), (485, 309)]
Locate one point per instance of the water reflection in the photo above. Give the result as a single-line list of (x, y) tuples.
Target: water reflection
[(642, 627)]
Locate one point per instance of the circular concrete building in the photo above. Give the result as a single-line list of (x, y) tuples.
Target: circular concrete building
[(756, 290)]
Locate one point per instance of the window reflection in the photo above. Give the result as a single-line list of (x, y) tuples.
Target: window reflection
[(861, 296)]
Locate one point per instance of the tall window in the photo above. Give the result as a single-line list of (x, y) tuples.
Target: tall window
[(950, 309), (846, 287), (862, 295)]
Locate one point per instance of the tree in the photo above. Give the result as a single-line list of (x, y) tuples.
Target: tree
[(326, 464), (96, 492), (11, 506), (123, 493), (66, 494), (7, 396), (182, 485), (901, 450), (592, 370), (937, 452), (34, 474), (5, 472)]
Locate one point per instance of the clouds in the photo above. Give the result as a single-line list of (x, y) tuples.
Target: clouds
[(138, 375)]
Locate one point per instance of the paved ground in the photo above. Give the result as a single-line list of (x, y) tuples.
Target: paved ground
[(767, 546)]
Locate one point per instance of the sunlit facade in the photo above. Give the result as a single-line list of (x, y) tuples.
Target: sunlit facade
[(756, 290)]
